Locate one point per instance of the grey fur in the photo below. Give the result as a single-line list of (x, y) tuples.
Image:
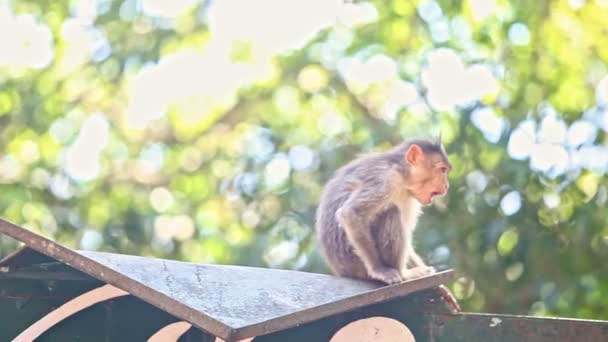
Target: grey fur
[(366, 217)]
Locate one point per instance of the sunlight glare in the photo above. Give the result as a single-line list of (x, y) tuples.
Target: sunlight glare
[(277, 171), (576, 4), (603, 120), (179, 227), (25, 43), (331, 123), (449, 83), (519, 34), (380, 68), (161, 199), (259, 146), (581, 132), (272, 25), (430, 11), (152, 156), (11, 169), (82, 157), (601, 92), (281, 253), (209, 74), (301, 157), (482, 8), (522, 140), (489, 123), (184, 227), (551, 199), (400, 94), (83, 41), (549, 158), (312, 78), (165, 8), (511, 203), (91, 240), (85, 9), (60, 187), (592, 158), (354, 14), (477, 181), (552, 130), (440, 31)]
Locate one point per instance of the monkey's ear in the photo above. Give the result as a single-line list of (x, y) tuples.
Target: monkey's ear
[(414, 154)]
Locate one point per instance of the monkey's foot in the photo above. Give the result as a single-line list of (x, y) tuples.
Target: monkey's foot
[(417, 272), (448, 298), (386, 275)]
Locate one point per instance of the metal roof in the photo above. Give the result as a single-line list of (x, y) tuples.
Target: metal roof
[(231, 302)]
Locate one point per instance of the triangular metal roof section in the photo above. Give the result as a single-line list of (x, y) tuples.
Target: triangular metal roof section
[(23, 256), (231, 302)]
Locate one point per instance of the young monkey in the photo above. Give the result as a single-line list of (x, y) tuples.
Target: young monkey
[(370, 207)]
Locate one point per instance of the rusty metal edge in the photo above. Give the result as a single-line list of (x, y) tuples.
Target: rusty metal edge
[(554, 329), (108, 275), (374, 296), (528, 317)]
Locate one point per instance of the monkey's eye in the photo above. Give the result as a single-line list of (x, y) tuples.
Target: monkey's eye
[(443, 169)]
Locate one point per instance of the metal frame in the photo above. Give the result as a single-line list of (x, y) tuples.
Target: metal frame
[(374, 294)]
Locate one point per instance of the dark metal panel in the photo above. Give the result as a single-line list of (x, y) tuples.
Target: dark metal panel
[(23, 256), (24, 301), (413, 311), (231, 302), (510, 328)]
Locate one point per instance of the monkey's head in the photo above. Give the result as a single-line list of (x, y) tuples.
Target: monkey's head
[(428, 169)]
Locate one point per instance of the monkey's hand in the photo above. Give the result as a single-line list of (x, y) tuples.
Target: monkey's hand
[(417, 272), (386, 275)]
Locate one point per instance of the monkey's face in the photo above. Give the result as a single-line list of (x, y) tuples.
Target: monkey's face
[(429, 177)]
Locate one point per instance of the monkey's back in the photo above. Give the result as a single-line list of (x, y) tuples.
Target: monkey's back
[(367, 171)]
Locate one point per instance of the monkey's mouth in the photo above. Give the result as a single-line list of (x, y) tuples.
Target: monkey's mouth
[(435, 193)]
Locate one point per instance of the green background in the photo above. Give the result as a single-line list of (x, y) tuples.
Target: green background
[(228, 167)]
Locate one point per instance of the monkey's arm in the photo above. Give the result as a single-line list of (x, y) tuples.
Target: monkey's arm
[(355, 217)]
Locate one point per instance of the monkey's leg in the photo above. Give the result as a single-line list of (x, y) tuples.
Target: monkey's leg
[(418, 267), (415, 260), (389, 237), (352, 218), (393, 239)]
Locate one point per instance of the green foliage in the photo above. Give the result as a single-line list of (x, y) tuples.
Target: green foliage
[(169, 134)]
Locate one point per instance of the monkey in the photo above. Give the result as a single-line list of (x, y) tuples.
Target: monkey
[(369, 208)]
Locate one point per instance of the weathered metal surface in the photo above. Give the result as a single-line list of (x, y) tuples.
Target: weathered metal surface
[(231, 302), (255, 301), (511, 328)]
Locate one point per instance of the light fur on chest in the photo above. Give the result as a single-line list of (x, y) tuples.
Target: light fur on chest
[(409, 208)]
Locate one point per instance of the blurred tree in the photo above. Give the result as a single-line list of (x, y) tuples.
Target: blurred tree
[(204, 131)]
